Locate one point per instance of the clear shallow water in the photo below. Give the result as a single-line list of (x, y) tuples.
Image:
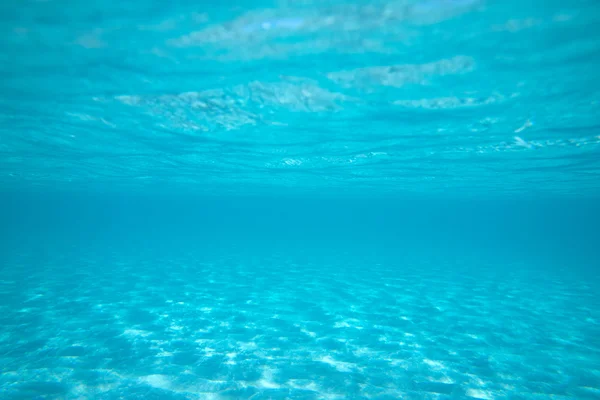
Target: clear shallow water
[(110, 297), (282, 325), (299, 200)]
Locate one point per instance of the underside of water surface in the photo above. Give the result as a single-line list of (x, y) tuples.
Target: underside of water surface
[(385, 97)]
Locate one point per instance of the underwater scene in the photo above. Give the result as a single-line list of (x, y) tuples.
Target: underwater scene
[(300, 199)]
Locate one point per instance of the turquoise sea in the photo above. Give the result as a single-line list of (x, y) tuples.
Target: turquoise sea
[(300, 199)]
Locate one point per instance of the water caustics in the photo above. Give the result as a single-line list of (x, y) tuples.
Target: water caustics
[(374, 97)]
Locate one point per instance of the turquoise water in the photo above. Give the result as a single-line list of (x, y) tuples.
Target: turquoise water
[(300, 200)]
